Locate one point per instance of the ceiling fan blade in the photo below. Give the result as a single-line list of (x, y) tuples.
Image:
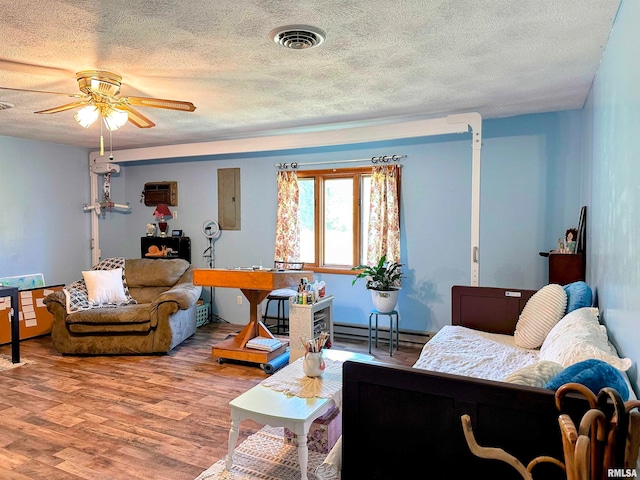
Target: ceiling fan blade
[(63, 108), (160, 103), (72, 95), (136, 117), (31, 68)]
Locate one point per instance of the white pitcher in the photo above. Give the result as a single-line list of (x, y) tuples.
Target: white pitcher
[(313, 364)]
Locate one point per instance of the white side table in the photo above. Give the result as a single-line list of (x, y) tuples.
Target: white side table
[(270, 407), (308, 321)]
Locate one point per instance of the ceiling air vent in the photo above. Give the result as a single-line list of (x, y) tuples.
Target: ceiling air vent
[(6, 105), (297, 37)]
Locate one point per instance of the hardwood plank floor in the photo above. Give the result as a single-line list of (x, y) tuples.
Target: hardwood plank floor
[(162, 417)]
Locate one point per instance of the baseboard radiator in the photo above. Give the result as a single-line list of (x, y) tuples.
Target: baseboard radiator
[(361, 332)]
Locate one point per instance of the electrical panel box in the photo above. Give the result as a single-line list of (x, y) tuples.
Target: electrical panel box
[(156, 193), (229, 198)]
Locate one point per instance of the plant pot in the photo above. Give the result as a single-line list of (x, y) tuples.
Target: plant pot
[(384, 301)]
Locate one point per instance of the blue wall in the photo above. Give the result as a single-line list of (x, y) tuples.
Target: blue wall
[(537, 171), (530, 196), (43, 228), (611, 186)]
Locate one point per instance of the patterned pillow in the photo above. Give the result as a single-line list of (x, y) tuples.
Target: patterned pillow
[(536, 375), (578, 295), (541, 312), (76, 294)]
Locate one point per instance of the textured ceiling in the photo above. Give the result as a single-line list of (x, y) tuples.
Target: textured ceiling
[(382, 60)]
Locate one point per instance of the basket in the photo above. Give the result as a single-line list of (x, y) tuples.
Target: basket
[(202, 314)]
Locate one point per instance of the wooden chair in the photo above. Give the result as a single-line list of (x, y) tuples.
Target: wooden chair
[(280, 297), (607, 437)]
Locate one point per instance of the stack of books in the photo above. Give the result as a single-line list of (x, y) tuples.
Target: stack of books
[(264, 343)]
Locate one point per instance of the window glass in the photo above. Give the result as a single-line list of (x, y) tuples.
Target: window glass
[(306, 211), (338, 221), (365, 196)]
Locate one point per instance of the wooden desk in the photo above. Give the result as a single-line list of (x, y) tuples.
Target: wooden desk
[(255, 285)]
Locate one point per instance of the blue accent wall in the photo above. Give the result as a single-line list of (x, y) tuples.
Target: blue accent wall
[(530, 196), (611, 185), (537, 170), (43, 228)]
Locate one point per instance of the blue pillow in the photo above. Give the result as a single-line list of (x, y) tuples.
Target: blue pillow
[(578, 295), (593, 374)]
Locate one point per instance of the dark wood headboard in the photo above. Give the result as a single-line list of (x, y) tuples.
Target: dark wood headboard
[(490, 309)]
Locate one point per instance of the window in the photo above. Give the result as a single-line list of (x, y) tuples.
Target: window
[(334, 218)]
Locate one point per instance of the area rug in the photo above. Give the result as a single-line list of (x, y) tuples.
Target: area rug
[(264, 456), (6, 363)]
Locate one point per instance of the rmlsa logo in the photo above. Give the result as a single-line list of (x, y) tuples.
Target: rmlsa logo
[(621, 473)]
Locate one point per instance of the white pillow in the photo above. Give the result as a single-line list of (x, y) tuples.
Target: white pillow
[(536, 375), (541, 312), (104, 286), (580, 336)]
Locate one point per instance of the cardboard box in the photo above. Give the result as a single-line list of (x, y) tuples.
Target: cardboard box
[(323, 433)]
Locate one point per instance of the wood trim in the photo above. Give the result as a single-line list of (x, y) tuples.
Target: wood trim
[(320, 176)]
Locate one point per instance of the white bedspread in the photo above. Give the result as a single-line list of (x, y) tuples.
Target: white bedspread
[(464, 351)]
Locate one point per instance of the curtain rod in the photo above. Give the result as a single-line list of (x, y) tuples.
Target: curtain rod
[(374, 160)]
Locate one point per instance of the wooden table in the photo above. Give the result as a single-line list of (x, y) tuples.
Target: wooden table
[(256, 286)]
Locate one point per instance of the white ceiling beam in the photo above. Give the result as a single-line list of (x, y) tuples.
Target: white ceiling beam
[(342, 136)]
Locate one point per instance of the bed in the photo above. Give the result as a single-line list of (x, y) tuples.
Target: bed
[(404, 422)]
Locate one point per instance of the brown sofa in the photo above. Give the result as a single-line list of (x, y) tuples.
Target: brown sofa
[(164, 316)]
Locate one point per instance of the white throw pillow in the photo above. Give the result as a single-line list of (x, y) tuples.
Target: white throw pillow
[(104, 286), (580, 336), (541, 312), (536, 375)]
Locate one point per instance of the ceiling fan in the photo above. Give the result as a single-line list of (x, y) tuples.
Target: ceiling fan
[(99, 97)]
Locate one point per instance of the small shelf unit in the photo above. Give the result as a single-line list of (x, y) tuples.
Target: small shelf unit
[(308, 321)]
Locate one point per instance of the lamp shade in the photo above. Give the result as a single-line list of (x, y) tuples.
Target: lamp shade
[(87, 115), (162, 211), (115, 118)]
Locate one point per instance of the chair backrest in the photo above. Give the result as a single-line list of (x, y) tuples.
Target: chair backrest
[(279, 264)]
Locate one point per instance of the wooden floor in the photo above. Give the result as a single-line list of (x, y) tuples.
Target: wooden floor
[(128, 417)]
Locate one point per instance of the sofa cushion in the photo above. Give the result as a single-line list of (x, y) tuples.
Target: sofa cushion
[(579, 295), (541, 312), (126, 314), (593, 374), (149, 272), (580, 336)]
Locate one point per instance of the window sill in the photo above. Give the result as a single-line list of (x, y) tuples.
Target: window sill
[(332, 270)]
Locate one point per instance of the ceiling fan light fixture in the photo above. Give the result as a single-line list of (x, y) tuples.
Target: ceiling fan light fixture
[(87, 115), (297, 37), (114, 118)]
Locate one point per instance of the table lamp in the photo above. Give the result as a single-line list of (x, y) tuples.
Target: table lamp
[(162, 212)]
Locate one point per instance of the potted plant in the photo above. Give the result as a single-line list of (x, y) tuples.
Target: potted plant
[(384, 281)]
